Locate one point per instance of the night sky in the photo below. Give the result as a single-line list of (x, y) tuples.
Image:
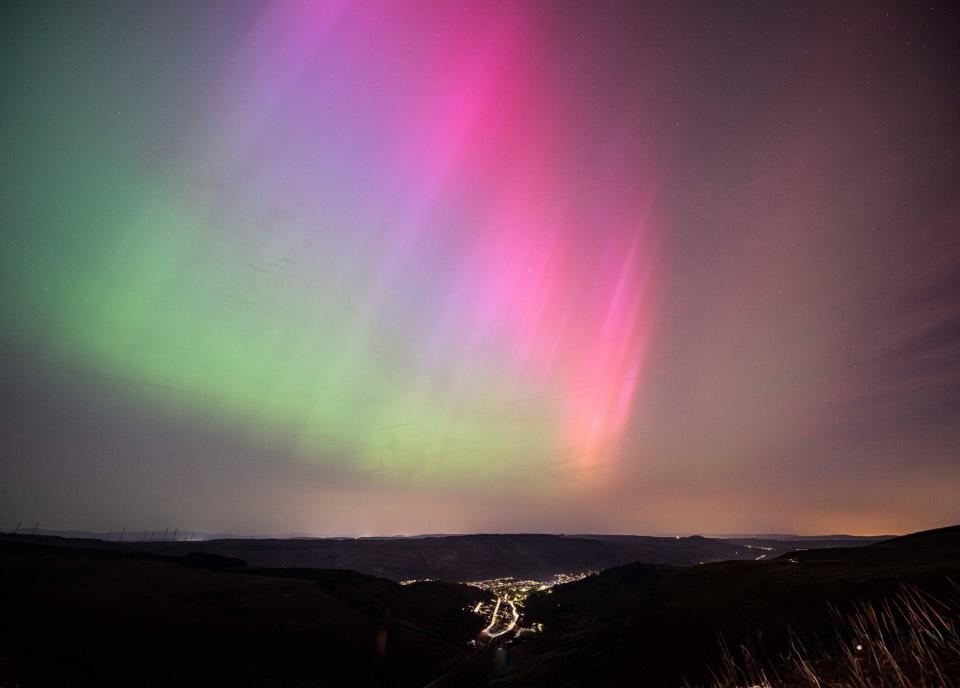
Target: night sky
[(360, 267)]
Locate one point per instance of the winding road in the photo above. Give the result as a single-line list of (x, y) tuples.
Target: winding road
[(503, 620)]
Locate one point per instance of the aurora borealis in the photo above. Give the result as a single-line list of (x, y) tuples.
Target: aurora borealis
[(377, 267)]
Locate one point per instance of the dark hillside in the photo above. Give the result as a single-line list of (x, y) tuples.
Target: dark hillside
[(464, 557), (662, 623), (107, 617), (456, 557)]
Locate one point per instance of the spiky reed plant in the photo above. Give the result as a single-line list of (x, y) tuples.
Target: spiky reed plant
[(907, 640)]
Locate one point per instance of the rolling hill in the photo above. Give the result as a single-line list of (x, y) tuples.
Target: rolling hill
[(665, 624), (469, 557), (84, 616)]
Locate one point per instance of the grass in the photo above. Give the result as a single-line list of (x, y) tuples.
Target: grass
[(907, 640)]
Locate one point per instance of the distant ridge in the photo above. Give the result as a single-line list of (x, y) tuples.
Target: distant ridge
[(793, 536), (135, 534), (461, 557)]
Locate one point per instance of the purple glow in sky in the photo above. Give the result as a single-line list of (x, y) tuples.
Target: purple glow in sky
[(351, 267)]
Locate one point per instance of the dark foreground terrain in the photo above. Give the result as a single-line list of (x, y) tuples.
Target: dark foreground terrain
[(86, 612), (77, 616), (648, 625)]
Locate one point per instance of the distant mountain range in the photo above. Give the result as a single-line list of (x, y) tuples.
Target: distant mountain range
[(153, 535), (474, 557), (84, 611)]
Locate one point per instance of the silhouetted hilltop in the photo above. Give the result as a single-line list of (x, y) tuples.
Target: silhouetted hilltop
[(939, 542), (87, 612), (664, 623), (465, 557), (84, 616)]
